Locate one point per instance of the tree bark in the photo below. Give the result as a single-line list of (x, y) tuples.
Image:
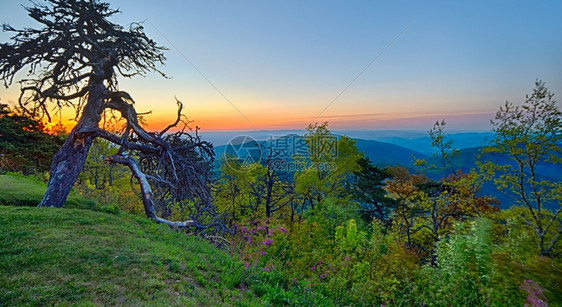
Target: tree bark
[(69, 160), (146, 193)]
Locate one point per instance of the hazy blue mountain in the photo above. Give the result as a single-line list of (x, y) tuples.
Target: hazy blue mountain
[(467, 160), (380, 153), (247, 146), (469, 156), (224, 137), (419, 140), (415, 140), (383, 153)]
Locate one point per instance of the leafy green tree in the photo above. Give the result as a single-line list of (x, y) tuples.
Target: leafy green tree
[(329, 167), (404, 188), (24, 144), (368, 190), (233, 189), (108, 185), (531, 136), (348, 238), (454, 198), (444, 145), (275, 190), (95, 169)]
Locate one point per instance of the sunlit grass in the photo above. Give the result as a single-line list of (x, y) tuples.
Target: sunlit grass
[(72, 256), (21, 190)]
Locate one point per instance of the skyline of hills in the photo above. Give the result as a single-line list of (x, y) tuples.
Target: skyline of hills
[(390, 153), (416, 140)]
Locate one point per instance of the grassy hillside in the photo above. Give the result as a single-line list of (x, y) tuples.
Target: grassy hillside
[(86, 257), (82, 257), (20, 190)]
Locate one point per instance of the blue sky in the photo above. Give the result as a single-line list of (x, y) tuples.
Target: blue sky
[(281, 63)]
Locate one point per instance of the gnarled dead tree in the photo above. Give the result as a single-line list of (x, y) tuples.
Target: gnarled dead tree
[(74, 61)]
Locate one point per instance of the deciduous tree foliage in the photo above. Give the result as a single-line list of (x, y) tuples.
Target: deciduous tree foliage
[(444, 146), (74, 60), (25, 146), (530, 135), (329, 166), (404, 189), (368, 189), (427, 209)]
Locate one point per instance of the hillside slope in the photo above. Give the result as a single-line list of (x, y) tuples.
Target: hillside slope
[(20, 190), (382, 153), (81, 257)]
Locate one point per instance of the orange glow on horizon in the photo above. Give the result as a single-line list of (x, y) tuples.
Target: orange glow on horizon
[(216, 117), (476, 120)]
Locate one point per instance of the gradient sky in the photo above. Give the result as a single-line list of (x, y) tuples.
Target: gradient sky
[(282, 62)]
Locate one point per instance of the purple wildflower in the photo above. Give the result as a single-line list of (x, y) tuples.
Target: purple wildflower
[(283, 230), (535, 295)]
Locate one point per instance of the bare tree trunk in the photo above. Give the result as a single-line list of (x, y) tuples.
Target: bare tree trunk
[(269, 191), (69, 160), (146, 193)]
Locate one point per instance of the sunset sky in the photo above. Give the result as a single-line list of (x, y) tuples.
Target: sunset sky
[(281, 63)]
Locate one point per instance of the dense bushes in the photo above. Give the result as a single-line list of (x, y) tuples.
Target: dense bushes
[(25, 144)]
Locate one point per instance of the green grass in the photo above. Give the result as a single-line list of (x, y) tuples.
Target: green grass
[(81, 257), (21, 190), (101, 257)]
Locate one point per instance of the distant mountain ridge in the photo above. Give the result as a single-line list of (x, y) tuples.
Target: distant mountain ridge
[(468, 158), (415, 140), (383, 153), (388, 154), (380, 153)]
